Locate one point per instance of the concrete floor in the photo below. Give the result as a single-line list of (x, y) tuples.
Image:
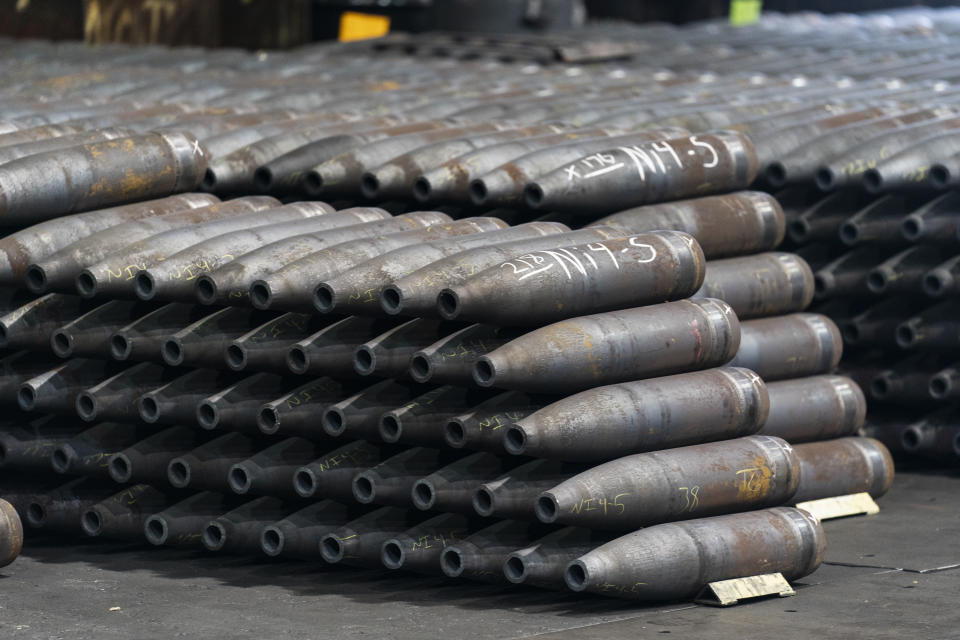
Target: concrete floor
[(891, 575)]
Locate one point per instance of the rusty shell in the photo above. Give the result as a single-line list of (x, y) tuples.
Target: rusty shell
[(117, 398), (264, 349), (238, 531), (766, 284), (56, 390), (203, 343), (231, 282), (539, 287), (450, 360), (480, 427), (89, 452), (206, 467), (181, 524), (674, 561), (358, 290), (419, 548), (388, 355), (176, 401), (481, 555), (733, 224), (618, 346), (790, 346), (89, 335), (676, 484), (115, 275), (122, 515), (296, 535), (331, 350), (503, 186), (514, 494), (58, 271), (814, 408), (390, 482), (28, 445), (841, 467), (451, 488), (291, 286), (608, 422), (622, 177), (99, 174), (544, 562), (270, 472), (295, 412), (331, 475), (359, 541), (9, 153), (415, 294), (235, 407), (27, 246), (176, 278), (147, 460)]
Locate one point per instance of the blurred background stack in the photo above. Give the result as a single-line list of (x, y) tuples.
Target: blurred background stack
[(526, 307)]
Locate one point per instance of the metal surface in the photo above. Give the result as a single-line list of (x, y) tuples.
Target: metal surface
[(419, 548), (676, 560), (733, 224), (11, 534), (790, 346), (676, 484), (814, 408), (100, 174), (618, 346), (841, 467), (651, 172), (660, 413), (539, 287)]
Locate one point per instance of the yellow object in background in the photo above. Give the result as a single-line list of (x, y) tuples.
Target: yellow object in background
[(362, 26), (744, 11)]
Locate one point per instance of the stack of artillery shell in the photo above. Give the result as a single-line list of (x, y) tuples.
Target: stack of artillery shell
[(885, 268), (541, 334), (459, 401), (346, 124)]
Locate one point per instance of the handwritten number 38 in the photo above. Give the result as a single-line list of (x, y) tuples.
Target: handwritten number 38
[(691, 496)]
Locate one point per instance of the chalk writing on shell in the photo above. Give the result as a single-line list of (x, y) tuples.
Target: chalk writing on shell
[(581, 260), (649, 159)]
